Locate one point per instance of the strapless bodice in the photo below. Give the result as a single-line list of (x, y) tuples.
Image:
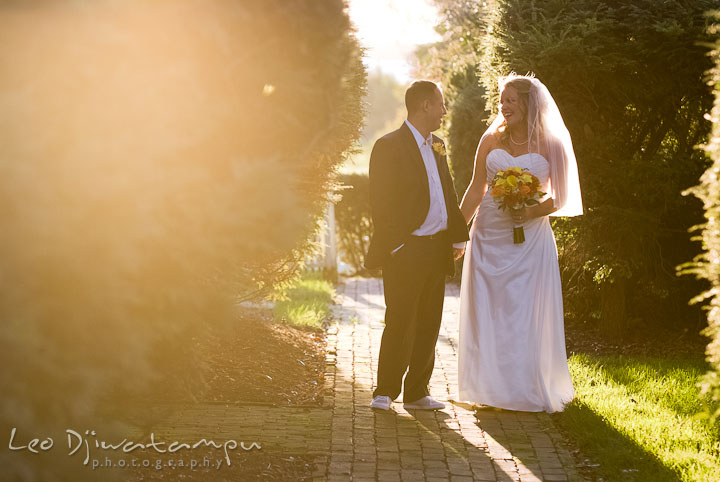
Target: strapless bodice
[(501, 159)]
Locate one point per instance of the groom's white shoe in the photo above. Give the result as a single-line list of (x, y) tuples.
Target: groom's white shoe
[(425, 403), (382, 402)]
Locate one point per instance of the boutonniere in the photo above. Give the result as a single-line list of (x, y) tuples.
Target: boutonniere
[(439, 147)]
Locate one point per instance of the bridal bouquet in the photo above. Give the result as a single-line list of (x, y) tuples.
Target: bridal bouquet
[(515, 188)]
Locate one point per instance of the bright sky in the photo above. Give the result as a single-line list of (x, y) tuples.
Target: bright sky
[(391, 29)]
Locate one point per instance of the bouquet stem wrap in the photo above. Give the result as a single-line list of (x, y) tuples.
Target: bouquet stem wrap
[(518, 235)]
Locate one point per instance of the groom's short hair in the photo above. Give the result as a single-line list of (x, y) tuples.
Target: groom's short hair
[(418, 92)]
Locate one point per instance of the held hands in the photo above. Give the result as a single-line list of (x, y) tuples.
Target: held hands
[(458, 252)]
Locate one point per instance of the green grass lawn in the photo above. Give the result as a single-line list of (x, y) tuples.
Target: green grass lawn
[(636, 418), (306, 302)]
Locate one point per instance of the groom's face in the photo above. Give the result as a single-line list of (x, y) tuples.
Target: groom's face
[(436, 110)]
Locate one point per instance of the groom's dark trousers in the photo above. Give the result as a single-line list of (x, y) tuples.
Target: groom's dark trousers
[(413, 275), (414, 283)]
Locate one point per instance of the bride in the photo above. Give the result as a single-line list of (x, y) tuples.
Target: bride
[(512, 341)]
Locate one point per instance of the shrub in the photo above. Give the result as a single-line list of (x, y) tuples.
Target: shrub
[(158, 159), (707, 264), (354, 224)]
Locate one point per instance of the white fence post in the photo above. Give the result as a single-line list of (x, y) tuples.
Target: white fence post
[(326, 258)]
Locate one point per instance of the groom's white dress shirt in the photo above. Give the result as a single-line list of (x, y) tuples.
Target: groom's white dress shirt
[(436, 219)]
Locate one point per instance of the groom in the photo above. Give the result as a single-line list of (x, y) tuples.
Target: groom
[(419, 231)]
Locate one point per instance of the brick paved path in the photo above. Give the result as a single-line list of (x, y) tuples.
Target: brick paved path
[(349, 441), (452, 444)]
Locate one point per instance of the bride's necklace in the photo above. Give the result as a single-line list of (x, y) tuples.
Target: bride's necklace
[(513, 140)]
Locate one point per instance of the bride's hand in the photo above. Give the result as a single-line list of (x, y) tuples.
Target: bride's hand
[(520, 215)]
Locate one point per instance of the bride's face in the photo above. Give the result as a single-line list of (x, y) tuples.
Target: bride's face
[(511, 107)]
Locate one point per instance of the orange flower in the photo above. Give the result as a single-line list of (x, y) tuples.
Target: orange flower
[(524, 189), (497, 191)]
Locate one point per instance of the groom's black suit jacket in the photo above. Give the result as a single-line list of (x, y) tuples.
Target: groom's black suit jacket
[(400, 196)]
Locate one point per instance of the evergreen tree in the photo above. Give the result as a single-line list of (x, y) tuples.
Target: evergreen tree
[(159, 159), (707, 265), (628, 78)]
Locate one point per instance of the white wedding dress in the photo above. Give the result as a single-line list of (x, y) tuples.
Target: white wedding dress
[(512, 340)]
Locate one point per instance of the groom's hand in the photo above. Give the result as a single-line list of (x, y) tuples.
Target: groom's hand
[(457, 252)]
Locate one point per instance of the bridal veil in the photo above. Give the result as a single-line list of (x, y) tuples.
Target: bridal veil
[(549, 137)]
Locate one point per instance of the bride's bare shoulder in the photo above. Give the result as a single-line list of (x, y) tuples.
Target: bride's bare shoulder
[(490, 141)]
